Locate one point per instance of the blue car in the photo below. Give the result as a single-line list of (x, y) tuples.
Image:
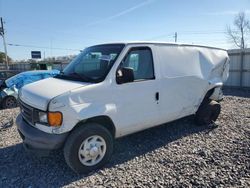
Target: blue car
[(9, 88)]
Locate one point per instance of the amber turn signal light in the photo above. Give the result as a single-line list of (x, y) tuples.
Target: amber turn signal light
[(55, 119)]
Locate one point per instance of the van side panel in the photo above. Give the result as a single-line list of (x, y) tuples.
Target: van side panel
[(187, 73)]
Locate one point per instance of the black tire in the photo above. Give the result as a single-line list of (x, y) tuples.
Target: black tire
[(77, 137), (9, 102), (207, 113)]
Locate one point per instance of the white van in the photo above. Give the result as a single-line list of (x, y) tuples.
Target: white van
[(112, 90)]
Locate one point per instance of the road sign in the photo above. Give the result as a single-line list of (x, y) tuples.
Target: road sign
[(36, 54)]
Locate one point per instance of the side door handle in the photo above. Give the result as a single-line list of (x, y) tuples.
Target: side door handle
[(157, 96)]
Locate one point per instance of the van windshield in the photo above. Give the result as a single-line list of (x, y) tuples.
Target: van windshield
[(93, 64)]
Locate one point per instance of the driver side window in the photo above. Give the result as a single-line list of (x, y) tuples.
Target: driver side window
[(141, 61)]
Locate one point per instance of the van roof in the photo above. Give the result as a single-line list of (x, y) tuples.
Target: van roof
[(163, 43)]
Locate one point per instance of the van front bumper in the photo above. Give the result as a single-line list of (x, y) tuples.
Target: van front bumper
[(35, 139)]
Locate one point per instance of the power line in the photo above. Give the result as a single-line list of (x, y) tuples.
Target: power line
[(160, 36), (204, 33), (180, 33), (172, 34), (42, 47)]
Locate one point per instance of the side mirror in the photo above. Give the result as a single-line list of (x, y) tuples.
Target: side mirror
[(124, 75)]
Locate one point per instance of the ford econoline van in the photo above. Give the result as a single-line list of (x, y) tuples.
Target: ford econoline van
[(112, 90)]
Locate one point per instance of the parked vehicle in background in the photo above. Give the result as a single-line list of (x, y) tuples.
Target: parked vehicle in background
[(112, 90), (9, 87), (5, 74)]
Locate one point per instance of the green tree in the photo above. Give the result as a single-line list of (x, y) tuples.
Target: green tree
[(2, 58)]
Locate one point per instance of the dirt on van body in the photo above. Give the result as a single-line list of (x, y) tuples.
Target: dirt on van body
[(172, 155)]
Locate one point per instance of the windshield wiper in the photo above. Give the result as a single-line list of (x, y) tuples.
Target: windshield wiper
[(60, 75), (82, 77)]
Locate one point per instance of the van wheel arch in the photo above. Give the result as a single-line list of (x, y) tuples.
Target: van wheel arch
[(206, 98), (208, 95), (208, 110), (101, 120)]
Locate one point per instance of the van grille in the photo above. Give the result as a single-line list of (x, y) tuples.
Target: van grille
[(26, 112)]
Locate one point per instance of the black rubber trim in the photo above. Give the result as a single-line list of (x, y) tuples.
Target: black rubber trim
[(37, 139)]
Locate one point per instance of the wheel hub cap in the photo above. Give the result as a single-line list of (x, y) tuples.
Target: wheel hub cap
[(92, 150)]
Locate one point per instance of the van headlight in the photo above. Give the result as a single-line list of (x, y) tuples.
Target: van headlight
[(53, 119), (43, 118)]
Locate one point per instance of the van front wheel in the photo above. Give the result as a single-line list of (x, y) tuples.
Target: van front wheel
[(88, 148), (207, 113)]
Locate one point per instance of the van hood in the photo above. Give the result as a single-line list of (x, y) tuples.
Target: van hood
[(39, 94)]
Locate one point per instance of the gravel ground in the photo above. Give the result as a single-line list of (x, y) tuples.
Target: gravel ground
[(172, 155)]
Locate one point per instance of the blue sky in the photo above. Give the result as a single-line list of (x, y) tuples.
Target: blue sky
[(74, 24)]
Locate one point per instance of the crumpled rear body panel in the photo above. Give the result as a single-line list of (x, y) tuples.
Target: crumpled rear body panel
[(204, 63), (187, 74)]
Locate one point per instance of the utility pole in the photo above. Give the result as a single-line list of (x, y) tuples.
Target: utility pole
[(4, 44), (175, 37)]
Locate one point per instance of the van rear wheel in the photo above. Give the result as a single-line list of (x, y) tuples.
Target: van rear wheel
[(88, 148), (207, 113)]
